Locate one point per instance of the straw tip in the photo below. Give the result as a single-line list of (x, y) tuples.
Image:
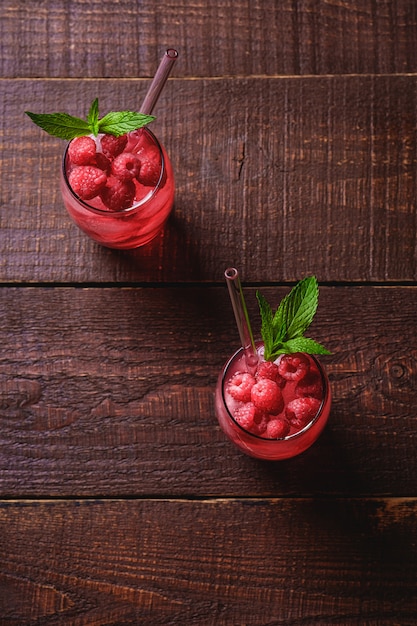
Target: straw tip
[(172, 53), (231, 273)]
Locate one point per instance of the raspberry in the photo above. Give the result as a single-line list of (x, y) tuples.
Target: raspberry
[(82, 151), (267, 369), (126, 166), (240, 385), (277, 428), (150, 172), (244, 415), (267, 396), (102, 162), (310, 385), (87, 181), (294, 366), (112, 146), (119, 195), (301, 411), (260, 422)]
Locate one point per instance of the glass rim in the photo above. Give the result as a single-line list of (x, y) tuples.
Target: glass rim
[(130, 210), (293, 436)]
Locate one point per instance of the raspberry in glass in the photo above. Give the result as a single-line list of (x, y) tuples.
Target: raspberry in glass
[(126, 166), (268, 369), (267, 396), (82, 151), (301, 411), (87, 181), (277, 428), (310, 385), (102, 162), (244, 415), (118, 195), (293, 366), (150, 172), (240, 386), (111, 146), (260, 423)]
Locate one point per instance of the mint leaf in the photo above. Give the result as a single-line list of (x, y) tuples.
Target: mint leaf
[(122, 122), (304, 344), (61, 125), (92, 117), (283, 332), (297, 309), (68, 127)]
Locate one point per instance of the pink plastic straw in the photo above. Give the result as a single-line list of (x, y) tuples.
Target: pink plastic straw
[(242, 318), (159, 81)]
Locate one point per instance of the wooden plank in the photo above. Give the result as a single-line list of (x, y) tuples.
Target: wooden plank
[(212, 563), (318, 178), (110, 391), (104, 39)]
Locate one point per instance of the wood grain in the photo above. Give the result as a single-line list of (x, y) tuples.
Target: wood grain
[(292, 130), (214, 562), (313, 175), (110, 391), (58, 38)]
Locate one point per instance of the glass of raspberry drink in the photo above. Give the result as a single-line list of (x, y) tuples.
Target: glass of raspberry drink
[(117, 181), (118, 190), (276, 412), (273, 397)]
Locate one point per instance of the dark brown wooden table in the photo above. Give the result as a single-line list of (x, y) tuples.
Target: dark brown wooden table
[(292, 130)]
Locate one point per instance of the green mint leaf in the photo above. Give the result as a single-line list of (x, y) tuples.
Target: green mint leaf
[(304, 344), (122, 122), (297, 309), (283, 332), (60, 125), (68, 127), (92, 117)]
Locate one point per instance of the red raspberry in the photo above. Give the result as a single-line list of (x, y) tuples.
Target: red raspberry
[(310, 385), (150, 171), (261, 422), (301, 411), (126, 166), (240, 385), (267, 396), (112, 146), (87, 181), (277, 428), (102, 162), (118, 195), (293, 366), (267, 369), (82, 151), (244, 415)]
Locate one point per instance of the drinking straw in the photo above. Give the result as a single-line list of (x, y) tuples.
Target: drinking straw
[(159, 81), (242, 318)]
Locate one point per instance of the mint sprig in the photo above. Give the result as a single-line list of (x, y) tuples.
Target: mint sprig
[(283, 331), (68, 127)]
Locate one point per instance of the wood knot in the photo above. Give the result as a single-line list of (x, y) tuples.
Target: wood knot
[(399, 377)]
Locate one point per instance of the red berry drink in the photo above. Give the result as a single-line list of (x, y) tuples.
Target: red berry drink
[(279, 410), (118, 190)]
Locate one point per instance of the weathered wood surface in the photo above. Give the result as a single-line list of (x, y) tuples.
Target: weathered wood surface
[(311, 175), (63, 38), (110, 391), (214, 562), (292, 130)]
